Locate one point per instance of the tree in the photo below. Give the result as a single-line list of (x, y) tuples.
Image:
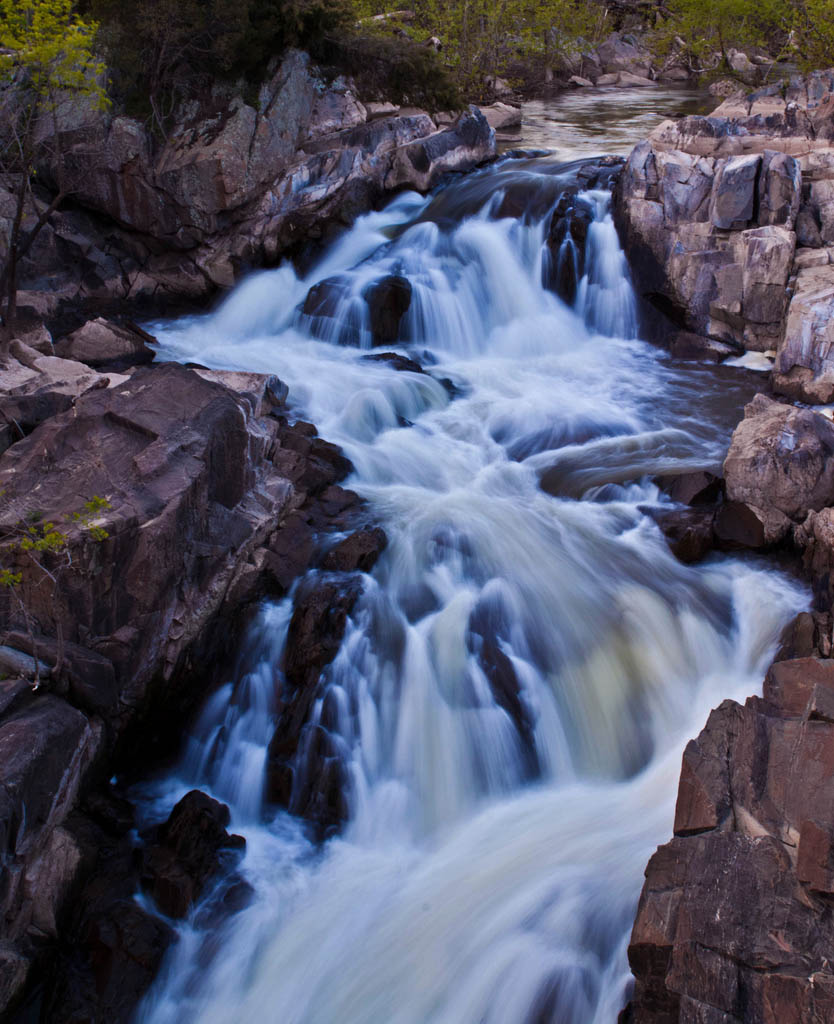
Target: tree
[(46, 61), (814, 34), (709, 29)]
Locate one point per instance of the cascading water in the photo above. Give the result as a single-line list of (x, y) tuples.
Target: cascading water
[(517, 681)]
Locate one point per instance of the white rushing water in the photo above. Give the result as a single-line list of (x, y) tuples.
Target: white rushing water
[(492, 861)]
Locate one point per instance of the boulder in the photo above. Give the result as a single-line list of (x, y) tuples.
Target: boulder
[(619, 53), (734, 193), (388, 302), (733, 922), (467, 143), (359, 551), (780, 459), (804, 367), (101, 343), (502, 116), (186, 851), (566, 238), (689, 532)]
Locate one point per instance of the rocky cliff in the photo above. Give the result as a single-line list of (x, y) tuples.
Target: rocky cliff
[(727, 220), (236, 184)]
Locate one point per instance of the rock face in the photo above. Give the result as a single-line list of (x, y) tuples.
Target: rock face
[(234, 185), (734, 920), (716, 214), (213, 499)]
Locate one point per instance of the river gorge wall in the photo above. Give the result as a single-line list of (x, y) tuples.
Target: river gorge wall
[(217, 498), (727, 221)]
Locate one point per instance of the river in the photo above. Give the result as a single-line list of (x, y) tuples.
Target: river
[(491, 865)]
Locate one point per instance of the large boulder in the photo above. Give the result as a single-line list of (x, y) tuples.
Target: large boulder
[(734, 922), (804, 368), (101, 343), (780, 459), (467, 143)]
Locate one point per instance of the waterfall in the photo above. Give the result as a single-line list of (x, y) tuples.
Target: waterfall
[(527, 660)]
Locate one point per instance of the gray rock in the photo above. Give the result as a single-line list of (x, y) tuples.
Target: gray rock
[(780, 459), (804, 368), (734, 193)]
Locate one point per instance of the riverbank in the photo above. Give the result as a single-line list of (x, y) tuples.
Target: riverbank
[(726, 222)]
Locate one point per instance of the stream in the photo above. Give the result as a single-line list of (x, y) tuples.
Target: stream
[(491, 864)]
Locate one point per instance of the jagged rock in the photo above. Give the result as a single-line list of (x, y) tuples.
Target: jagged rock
[(741, 525), (420, 164), (315, 785), (360, 551), (101, 343), (186, 851), (734, 922), (804, 367), (388, 302), (689, 532), (780, 459), (707, 208)]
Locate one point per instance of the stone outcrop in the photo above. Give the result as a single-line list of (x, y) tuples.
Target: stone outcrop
[(734, 922), (233, 185), (720, 213), (211, 498)]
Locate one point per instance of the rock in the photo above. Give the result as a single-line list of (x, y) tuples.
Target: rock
[(580, 82), (753, 845), (101, 343), (689, 532), (696, 488), (797, 639), (815, 537), (335, 109), (419, 165), (396, 361), (388, 302), (734, 192), (501, 116), (740, 525), (572, 218), (707, 208), (808, 228), (188, 850), (780, 459), (804, 367), (629, 81), (686, 345), (313, 786), (740, 62), (674, 74), (360, 551), (619, 54)]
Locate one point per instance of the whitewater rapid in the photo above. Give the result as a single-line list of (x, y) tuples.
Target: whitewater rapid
[(488, 874)]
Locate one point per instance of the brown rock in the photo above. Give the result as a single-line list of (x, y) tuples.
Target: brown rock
[(359, 551), (101, 343), (780, 459)]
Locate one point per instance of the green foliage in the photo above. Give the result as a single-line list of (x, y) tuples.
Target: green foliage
[(395, 69), (708, 29), (814, 34), (49, 48), (46, 60), (36, 538), (161, 51)]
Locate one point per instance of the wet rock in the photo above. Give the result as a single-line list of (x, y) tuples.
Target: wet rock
[(358, 552), (397, 362), (568, 234), (686, 345), (460, 148), (780, 459), (187, 851), (740, 525), (733, 921), (101, 343), (696, 488), (305, 772), (689, 532), (388, 302)]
